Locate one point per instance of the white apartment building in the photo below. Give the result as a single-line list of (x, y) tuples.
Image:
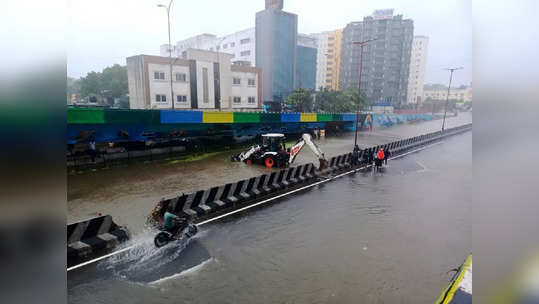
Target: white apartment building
[(321, 58), (241, 45), (455, 94), (200, 80), (418, 66)]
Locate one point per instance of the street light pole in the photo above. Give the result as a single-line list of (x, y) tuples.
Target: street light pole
[(361, 45), (169, 49), (448, 90), (217, 49)]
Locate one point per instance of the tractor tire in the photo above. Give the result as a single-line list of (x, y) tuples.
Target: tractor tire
[(269, 162)]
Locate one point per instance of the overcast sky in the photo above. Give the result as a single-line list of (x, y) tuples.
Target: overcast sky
[(105, 32)]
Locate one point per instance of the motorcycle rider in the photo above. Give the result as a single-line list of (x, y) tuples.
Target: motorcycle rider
[(172, 222)]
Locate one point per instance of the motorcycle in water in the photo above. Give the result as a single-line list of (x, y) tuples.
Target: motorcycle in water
[(164, 237)]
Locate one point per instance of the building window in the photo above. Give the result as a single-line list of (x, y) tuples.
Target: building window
[(232, 44), (251, 100), (244, 41), (218, 47), (331, 38), (236, 81), (159, 75), (205, 86), (181, 98), (237, 99), (251, 82), (225, 46), (245, 53), (181, 77), (160, 98)]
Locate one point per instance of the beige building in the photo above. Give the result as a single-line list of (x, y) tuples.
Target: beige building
[(200, 80), (455, 94), (328, 59), (418, 66)]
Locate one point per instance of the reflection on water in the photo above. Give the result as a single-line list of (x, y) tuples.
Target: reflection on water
[(368, 238)]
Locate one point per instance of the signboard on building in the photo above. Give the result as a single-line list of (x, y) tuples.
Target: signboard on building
[(383, 14), (274, 4)]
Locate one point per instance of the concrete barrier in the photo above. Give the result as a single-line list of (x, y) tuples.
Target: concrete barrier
[(93, 238), (202, 203), (215, 200)]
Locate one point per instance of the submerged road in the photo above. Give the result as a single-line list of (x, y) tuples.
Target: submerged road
[(368, 237), (129, 193)]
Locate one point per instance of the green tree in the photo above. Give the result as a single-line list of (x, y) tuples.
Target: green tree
[(111, 83), (325, 100), (301, 99), (114, 81), (91, 84), (340, 101)]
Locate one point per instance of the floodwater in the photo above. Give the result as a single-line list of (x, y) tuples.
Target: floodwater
[(385, 237), (129, 193)]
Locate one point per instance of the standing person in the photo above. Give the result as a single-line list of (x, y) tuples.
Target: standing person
[(379, 158), (91, 149), (355, 155), (387, 154)]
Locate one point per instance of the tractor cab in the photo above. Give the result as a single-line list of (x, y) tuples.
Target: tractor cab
[(273, 142)]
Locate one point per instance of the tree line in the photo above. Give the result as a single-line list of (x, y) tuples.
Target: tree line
[(106, 86), (325, 100)]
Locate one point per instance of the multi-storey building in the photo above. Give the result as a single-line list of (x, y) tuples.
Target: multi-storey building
[(418, 66), (241, 45), (386, 61), (276, 43), (201, 80), (328, 59), (306, 54), (439, 93)]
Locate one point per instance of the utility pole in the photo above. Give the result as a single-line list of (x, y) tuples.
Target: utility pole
[(448, 90), (169, 48), (361, 45)]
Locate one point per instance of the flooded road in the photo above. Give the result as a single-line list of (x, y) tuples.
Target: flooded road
[(129, 193), (365, 238)]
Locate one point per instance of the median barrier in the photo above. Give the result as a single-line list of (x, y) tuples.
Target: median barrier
[(92, 238), (206, 203)]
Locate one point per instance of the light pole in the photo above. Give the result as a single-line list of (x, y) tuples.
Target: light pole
[(361, 45), (448, 90), (217, 49), (169, 48)]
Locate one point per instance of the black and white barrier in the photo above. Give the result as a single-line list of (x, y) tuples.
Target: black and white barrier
[(202, 203), (205, 204), (93, 238)]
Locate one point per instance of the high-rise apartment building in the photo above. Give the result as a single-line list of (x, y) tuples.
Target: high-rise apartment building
[(328, 59), (306, 54), (386, 61), (276, 43), (418, 66)]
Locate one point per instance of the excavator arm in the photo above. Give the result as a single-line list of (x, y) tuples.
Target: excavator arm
[(245, 155), (306, 139)]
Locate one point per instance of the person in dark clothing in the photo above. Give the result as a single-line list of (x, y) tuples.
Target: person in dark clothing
[(91, 149), (387, 154), (172, 222), (355, 155)]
